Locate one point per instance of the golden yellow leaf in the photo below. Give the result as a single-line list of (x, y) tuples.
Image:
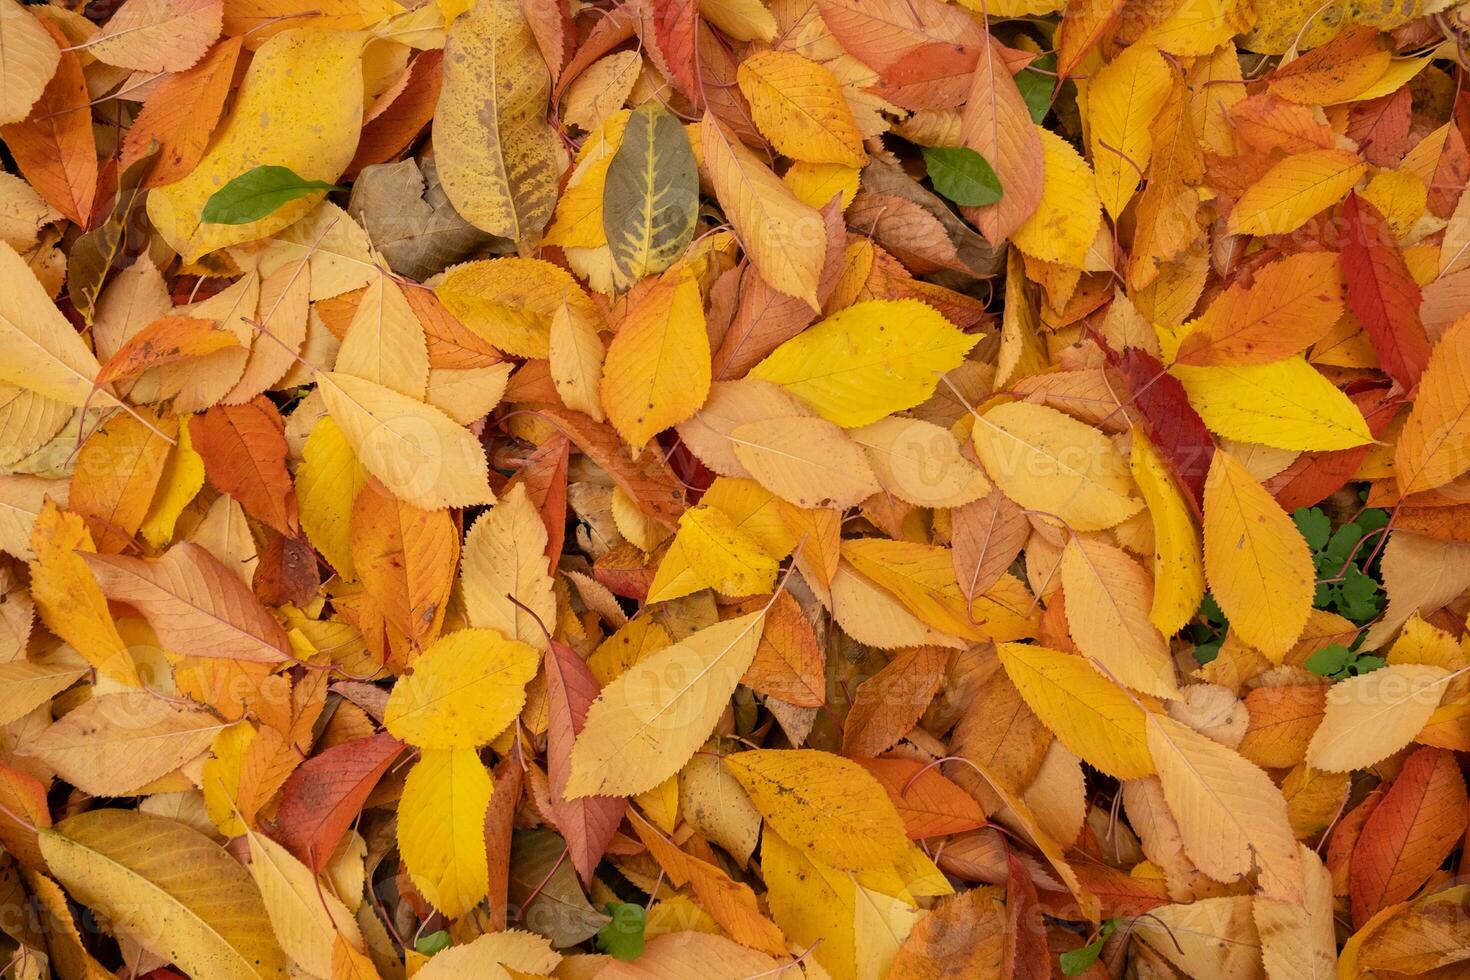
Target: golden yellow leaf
[(306, 916), (464, 691), (44, 353), (168, 888), (799, 107), (510, 301), (869, 360), (1287, 404), (385, 342), (300, 106), (576, 354), (1091, 716), (1294, 190), (1258, 565), (829, 807), (717, 554), (920, 462), (1109, 598), (1065, 223), (657, 372), (1122, 101), (1434, 445), (327, 482), (441, 828), (1179, 570), (785, 239), (1047, 461)]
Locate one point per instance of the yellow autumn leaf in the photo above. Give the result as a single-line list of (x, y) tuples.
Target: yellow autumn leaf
[(1287, 404), (44, 354), (646, 724), (1091, 716), (300, 106), (219, 778), (1065, 223), (1294, 190), (1048, 461), (385, 341), (464, 690), (867, 361), (327, 482), (922, 578), (717, 554), (181, 481), (441, 828), (755, 510), (168, 888), (1374, 715), (813, 903), (1109, 597), (1122, 101), (657, 372), (785, 239), (31, 57), (1434, 445), (306, 916), (420, 454), (829, 807), (1258, 565), (576, 353), (800, 108), (497, 155), (510, 301), (68, 599), (577, 222), (817, 183), (1179, 570)]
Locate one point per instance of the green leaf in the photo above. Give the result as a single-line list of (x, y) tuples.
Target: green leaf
[(256, 193), (433, 943), (962, 175), (1037, 81), (1329, 660), (622, 938), (1075, 962), (1315, 526)]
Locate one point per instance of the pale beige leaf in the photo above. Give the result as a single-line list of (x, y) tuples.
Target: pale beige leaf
[(505, 554), (809, 462), (420, 454), (1108, 597), (1299, 941), (648, 722), (1230, 814), (43, 352), (1373, 715), (158, 35), (117, 743), (28, 59)]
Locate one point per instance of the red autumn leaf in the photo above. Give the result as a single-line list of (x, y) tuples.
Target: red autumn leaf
[(1382, 293), (324, 796), (244, 451)]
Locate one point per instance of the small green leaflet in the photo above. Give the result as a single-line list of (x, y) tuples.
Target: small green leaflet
[(1036, 82), (1077, 961), (256, 193), (434, 942), (962, 175), (622, 938)]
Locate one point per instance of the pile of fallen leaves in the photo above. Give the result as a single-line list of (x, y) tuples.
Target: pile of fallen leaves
[(723, 489)]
